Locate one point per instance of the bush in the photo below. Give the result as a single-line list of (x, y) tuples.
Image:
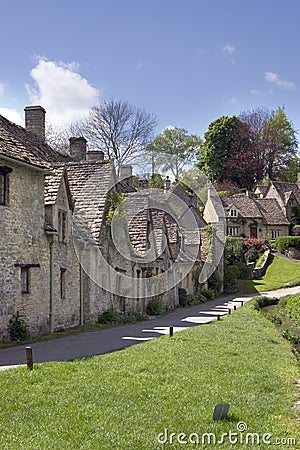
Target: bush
[(195, 299), (284, 242), (251, 255), (154, 307), (262, 301), (293, 308), (296, 230), (209, 294), (17, 329), (233, 250), (182, 296), (215, 283)]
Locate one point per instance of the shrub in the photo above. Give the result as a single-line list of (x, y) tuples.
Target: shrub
[(293, 308), (284, 242), (251, 255), (260, 245), (215, 282), (262, 301), (17, 329), (195, 299), (233, 250), (296, 230), (209, 294), (154, 307)]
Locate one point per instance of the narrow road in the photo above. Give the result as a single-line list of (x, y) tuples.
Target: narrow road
[(115, 338)]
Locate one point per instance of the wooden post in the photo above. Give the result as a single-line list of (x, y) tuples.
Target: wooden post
[(229, 311), (29, 358), (234, 307), (171, 331), (218, 317)]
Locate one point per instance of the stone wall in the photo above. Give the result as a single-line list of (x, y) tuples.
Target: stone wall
[(23, 242)]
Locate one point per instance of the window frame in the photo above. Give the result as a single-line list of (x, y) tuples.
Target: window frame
[(4, 185), (236, 231), (233, 212), (275, 233), (62, 225), (25, 280)]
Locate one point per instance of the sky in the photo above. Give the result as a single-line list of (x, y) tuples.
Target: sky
[(187, 61)]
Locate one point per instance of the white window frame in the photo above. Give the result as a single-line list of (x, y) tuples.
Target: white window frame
[(275, 233), (233, 212), (233, 231)]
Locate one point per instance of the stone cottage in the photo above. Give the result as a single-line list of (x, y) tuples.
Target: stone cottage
[(60, 266)]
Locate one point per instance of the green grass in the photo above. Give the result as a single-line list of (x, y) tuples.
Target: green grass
[(125, 399), (279, 273)]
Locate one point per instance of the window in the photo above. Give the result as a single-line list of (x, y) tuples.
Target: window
[(62, 225), (275, 233), (233, 212), (25, 280), (233, 231), (62, 283), (4, 174)]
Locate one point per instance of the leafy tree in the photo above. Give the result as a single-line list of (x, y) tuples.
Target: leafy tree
[(156, 181), (226, 142), (274, 143), (175, 149)]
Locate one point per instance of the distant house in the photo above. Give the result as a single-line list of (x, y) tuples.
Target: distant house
[(254, 218)]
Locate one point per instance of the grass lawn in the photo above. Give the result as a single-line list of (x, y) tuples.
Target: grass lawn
[(280, 272), (124, 400)]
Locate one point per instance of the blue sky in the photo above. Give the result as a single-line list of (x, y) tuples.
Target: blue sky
[(187, 61)]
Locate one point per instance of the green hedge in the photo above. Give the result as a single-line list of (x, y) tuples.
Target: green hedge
[(284, 242)]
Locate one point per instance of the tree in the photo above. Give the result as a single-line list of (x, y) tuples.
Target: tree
[(120, 130), (274, 142), (174, 149), (226, 150)]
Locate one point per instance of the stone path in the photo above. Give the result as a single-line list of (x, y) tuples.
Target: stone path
[(115, 338)]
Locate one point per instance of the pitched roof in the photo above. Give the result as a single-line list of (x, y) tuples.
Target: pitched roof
[(90, 183), (286, 188), (246, 206), (271, 211), (20, 144), (52, 185), (261, 189), (267, 209)]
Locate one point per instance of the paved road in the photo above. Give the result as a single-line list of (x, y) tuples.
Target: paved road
[(116, 338)]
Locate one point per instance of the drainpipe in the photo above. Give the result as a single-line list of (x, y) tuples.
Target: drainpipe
[(51, 235), (51, 313), (81, 295)]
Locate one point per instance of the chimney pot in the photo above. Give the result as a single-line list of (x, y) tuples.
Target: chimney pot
[(35, 120)]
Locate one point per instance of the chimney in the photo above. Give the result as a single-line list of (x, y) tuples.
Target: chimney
[(78, 148), (35, 120), (125, 171), (95, 155)]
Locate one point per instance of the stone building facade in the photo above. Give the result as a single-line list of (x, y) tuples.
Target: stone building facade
[(55, 238)]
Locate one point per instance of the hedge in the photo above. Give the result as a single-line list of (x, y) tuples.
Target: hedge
[(284, 242)]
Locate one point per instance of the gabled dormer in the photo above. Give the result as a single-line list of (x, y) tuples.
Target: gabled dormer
[(233, 212)]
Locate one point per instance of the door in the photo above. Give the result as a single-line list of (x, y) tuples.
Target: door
[(253, 232)]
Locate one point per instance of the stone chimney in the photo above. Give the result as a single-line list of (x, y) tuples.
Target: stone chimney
[(125, 171), (35, 120), (78, 148), (95, 155)]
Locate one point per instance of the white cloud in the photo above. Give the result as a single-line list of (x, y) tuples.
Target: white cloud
[(229, 49), (1, 88), (139, 65), (271, 77), (232, 101), (63, 92), (13, 115)]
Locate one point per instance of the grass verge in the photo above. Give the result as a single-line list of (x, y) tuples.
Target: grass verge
[(125, 399), (279, 273)]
